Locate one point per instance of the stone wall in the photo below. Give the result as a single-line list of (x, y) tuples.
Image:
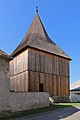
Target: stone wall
[(74, 96), (16, 101), (24, 101), (4, 84), (61, 99)]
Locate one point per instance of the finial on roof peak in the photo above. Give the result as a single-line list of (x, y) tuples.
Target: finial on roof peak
[(36, 9)]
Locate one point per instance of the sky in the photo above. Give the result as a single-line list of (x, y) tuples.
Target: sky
[(61, 19)]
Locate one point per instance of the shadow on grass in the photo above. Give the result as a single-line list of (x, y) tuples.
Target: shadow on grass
[(41, 110)]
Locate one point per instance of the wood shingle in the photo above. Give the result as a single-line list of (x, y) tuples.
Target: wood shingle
[(37, 37)]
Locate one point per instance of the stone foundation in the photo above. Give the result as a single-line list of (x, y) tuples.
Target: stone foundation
[(24, 101), (61, 99)]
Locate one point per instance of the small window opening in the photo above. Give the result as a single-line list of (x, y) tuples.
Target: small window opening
[(41, 89)]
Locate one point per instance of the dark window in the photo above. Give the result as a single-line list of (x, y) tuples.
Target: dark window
[(41, 88)]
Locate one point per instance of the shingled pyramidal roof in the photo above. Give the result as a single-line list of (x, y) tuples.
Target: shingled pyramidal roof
[(37, 37)]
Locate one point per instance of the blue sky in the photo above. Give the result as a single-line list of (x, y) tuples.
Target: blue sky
[(61, 19)]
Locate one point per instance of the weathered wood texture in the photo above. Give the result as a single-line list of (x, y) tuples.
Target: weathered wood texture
[(52, 71), (19, 82), (19, 63), (19, 73), (54, 84), (47, 63), (42, 68)]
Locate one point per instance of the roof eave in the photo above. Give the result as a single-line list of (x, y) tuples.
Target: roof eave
[(8, 57), (15, 54)]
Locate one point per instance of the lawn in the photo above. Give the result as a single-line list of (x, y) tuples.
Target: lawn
[(35, 111), (72, 104)]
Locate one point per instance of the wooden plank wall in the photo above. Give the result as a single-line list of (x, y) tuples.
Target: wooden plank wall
[(19, 73), (51, 70), (54, 84), (19, 82), (19, 63), (47, 63), (34, 67)]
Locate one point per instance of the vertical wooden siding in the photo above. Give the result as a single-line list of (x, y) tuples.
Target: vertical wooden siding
[(19, 63), (19, 73), (19, 82), (34, 67), (51, 70)]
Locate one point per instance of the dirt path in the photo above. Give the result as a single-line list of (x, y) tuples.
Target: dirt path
[(70, 113)]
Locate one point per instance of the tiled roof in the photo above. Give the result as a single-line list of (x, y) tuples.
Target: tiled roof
[(76, 89), (4, 55), (75, 85), (37, 37)]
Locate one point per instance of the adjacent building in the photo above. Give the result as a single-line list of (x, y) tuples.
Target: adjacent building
[(75, 92), (4, 80)]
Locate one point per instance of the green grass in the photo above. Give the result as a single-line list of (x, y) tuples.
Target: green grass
[(35, 111), (72, 104)]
